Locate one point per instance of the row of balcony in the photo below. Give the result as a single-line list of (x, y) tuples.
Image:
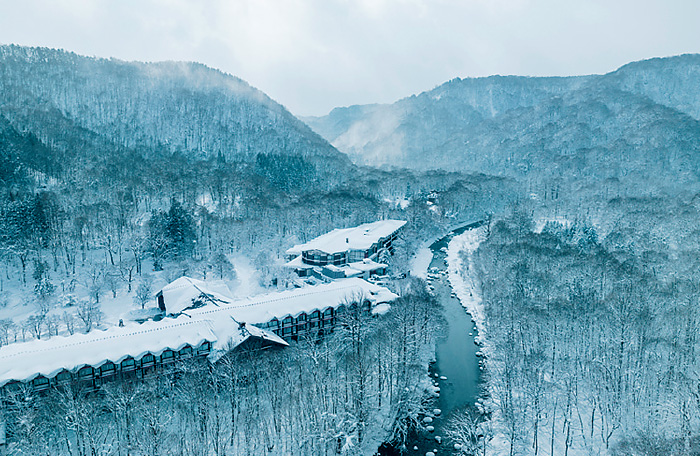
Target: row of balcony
[(292, 326), (92, 377)]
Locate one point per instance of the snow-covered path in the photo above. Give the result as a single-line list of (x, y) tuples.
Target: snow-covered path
[(246, 283)]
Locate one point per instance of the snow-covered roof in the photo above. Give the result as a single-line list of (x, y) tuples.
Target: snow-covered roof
[(47, 357), (263, 308), (187, 292), (366, 265), (358, 238), (217, 321), (334, 268), (352, 272), (381, 309)]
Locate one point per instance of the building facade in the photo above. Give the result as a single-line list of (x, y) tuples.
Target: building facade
[(348, 252), (202, 321)]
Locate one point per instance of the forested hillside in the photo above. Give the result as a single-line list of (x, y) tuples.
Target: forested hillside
[(111, 169), (634, 130), (176, 107), (590, 335), (588, 287)]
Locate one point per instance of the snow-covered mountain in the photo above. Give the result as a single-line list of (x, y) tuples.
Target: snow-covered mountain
[(79, 104), (636, 126)]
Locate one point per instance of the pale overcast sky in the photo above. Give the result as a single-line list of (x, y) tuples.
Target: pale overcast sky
[(313, 55)]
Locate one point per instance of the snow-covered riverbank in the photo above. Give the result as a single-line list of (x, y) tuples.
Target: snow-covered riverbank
[(465, 284), (462, 276)]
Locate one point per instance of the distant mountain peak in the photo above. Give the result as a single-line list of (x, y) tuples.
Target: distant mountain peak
[(624, 124)]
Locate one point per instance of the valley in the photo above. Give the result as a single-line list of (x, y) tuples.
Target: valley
[(118, 178)]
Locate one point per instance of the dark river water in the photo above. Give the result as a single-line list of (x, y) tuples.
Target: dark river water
[(456, 368)]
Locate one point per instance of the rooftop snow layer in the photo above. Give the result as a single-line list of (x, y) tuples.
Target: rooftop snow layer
[(359, 238), (263, 308), (187, 292), (297, 263), (366, 265), (217, 321), (47, 357)]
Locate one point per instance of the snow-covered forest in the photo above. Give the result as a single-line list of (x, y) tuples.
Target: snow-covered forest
[(118, 177), (341, 394), (92, 219), (588, 285), (94, 223), (590, 333)]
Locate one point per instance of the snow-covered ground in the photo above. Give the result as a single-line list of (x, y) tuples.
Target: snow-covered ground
[(247, 281), (399, 202), (558, 220), (420, 262), (466, 286), (19, 301)]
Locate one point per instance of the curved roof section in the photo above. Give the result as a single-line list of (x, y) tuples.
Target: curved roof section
[(47, 357), (216, 321)]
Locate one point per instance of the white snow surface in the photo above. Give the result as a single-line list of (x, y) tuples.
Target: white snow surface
[(185, 292), (247, 280), (218, 321), (558, 220), (366, 265), (381, 309), (420, 263), (263, 308), (358, 238), (47, 357), (466, 286), (398, 202)]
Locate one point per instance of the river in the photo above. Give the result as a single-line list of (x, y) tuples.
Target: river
[(456, 367)]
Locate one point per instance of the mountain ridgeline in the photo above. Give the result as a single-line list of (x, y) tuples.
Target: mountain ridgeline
[(98, 154), (636, 129), (85, 108)]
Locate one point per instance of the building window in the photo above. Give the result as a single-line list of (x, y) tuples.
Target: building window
[(128, 365), (168, 356), (107, 369), (204, 348), (64, 377), (40, 383), (148, 360), (86, 373), (186, 352)]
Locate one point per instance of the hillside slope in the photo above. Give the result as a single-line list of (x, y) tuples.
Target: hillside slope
[(77, 104), (636, 126)]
